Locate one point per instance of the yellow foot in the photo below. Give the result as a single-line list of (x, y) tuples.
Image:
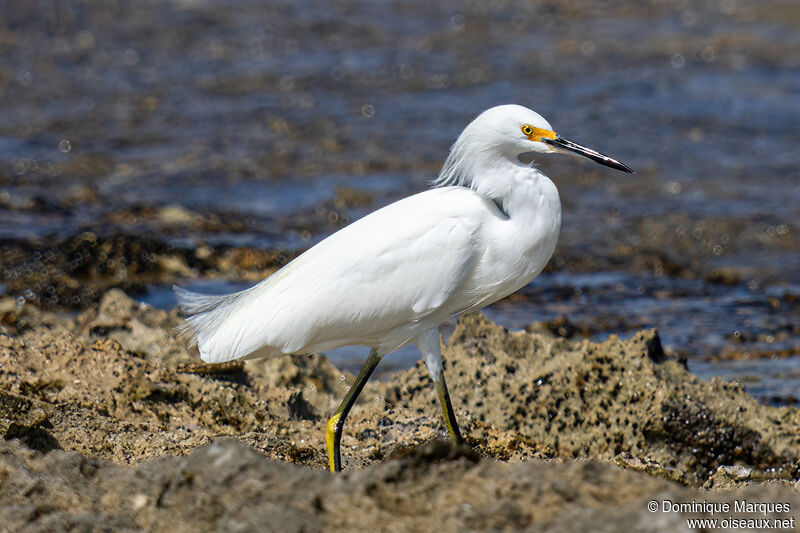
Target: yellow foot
[(331, 442)]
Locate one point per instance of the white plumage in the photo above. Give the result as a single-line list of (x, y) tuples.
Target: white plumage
[(381, 281), (403, 269), (487, 229)]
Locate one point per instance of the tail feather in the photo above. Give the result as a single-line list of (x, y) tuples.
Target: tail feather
[(205, 314), (193, 303)]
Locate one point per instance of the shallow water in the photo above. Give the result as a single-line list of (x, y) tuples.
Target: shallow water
[(773, 381), (259, 113)]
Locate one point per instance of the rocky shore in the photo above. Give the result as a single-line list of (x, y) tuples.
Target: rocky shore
[(110, 422)]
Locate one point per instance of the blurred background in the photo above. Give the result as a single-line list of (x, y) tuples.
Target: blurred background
[(207, 143)]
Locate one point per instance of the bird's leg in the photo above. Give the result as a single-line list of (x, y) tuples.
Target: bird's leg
[(447, 409), (333, 431), (428, 344)]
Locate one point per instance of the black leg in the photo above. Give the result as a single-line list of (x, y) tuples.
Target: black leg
[(428, 344), (447, 410), (333, 431)]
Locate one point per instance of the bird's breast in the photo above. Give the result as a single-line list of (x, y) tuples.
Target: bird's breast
[(520, 246)]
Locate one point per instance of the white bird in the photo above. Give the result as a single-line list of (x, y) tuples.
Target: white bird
[(487, 227)]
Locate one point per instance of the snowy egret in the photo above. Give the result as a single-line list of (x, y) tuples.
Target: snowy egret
[(485, 229)]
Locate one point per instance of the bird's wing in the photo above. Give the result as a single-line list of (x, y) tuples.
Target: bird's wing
[(394, 268)]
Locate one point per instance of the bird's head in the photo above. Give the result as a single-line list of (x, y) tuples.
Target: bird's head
[(514, 133), (519, 133)]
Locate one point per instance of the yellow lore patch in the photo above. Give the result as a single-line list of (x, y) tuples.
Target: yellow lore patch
[(537, 134)]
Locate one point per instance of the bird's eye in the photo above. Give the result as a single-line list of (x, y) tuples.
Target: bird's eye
[(527, 129)]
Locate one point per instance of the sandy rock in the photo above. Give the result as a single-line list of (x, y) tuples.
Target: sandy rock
[(138, 328), (226, 486), (178, 215), (580, 399), (19, 416), (98, 408)]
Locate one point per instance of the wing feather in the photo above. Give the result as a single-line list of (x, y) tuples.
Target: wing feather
[(397, 267)]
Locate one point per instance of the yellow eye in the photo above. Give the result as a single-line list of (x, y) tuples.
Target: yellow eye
[(527, 129)]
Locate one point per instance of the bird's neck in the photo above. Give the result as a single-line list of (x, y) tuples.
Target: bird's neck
[(522, 191), (528, 196), (528, 237)]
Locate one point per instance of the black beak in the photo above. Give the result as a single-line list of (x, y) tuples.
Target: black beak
[(563, 145)]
